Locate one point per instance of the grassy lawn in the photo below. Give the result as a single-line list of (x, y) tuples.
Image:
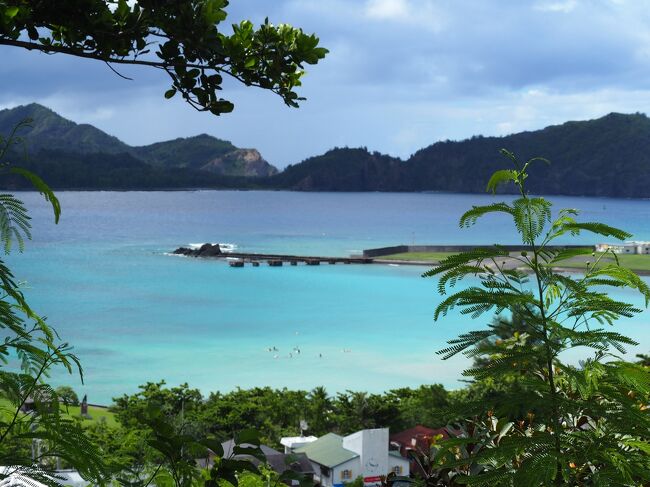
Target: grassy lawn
[(636, 262), (97, 415), (423, 256)]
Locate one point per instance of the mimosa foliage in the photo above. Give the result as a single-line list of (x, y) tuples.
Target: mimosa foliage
[(35, 433), (584, 425)]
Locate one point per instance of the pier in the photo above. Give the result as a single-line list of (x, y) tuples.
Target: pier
[(238, 259)]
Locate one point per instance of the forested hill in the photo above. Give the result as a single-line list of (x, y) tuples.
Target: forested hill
[(609, 156), (71, 155)]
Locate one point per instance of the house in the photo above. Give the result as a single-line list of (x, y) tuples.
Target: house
[(17, 477), (340, 459), (278, 461), (632, 247), (415, 439), (229, 448), (290, 443)]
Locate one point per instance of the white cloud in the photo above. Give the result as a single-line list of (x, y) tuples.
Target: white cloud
[(387, 9), (422, 13), (565, 7)]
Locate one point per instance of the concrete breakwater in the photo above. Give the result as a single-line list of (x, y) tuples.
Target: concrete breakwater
[(369, 256), (403, 249)]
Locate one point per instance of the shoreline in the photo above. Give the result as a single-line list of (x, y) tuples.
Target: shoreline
[(164, 189), (423, 263)]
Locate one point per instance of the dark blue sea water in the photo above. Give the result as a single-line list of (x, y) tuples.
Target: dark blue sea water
[(135, 314)]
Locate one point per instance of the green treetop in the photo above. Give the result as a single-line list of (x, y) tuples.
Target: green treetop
[(182, 39)]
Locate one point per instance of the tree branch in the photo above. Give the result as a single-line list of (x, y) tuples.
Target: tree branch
[(117, 72), (119, 60)]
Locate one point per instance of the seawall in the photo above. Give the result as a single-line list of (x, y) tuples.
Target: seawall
[(401, 249)]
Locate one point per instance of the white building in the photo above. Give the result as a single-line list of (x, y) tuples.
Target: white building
[(340, 459), (19, 477), (290, 443), (633, 247)]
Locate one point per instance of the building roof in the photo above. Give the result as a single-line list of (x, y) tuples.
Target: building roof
[(296, 462), (280, 462), (327, 450), (228, 447), (405, 437), (15, 477), (289, 441)]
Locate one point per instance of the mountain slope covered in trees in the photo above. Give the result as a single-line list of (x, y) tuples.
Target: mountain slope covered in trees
[(56, 145), (609, 156)]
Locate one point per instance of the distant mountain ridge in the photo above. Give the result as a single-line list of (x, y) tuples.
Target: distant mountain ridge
[(51, 132), (608, 156)]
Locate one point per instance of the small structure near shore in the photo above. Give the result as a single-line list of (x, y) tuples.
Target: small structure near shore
[(633, 247), (84, 408)]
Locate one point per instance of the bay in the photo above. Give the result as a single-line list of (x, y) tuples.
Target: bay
[(105, 280)]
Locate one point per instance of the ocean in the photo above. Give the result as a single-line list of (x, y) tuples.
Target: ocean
[(104, 279)]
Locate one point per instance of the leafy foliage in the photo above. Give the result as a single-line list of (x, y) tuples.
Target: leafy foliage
[(34, 434), (276, 413), (156, 34), (585, 425)]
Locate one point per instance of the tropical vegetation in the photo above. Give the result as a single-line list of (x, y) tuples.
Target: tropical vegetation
[(37, 435), (556, 423), (528, 417)]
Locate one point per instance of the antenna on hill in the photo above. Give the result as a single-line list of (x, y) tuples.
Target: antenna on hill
[(303, 427)]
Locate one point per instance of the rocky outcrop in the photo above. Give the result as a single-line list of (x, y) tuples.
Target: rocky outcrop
[(205, 250), (240, 162)]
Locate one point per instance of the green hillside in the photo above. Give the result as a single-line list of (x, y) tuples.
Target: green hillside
[(191, 152), (609, 156), (343, 169), (75, 155), (51, 131)]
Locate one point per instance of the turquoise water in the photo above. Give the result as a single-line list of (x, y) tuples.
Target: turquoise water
[(135, 314)]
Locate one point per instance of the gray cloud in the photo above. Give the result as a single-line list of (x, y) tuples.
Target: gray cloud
[(401, 75)]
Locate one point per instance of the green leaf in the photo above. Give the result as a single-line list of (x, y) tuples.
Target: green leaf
[(249, 436), (569, 253), (214, 445), (40, 186), (598, 228), (170, 93), (499, 177), (11, 12), (471, 216)]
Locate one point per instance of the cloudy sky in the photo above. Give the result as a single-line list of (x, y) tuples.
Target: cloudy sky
[(401, 75)]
